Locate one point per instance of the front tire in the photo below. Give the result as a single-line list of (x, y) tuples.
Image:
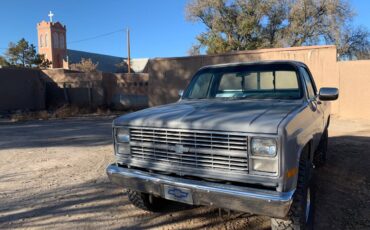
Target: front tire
[(145, 202), (300, 215)]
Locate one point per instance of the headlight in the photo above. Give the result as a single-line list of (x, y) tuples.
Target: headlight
[(263, 158), (122, 142), (123, 135), (263, 147), (123, 149), (266, 165)]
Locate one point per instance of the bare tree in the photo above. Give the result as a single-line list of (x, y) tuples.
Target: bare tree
[(194, 50), (251, 24), (85, 65), (354, 44)]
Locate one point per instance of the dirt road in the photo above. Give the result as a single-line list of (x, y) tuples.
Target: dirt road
[(52, 175)]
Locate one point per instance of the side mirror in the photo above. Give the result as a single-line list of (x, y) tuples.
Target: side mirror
[(180, 93), (328, 94)]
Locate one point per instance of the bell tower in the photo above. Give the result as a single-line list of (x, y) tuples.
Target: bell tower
[(52, 41)]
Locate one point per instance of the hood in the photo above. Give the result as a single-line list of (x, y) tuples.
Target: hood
[(256, 116)]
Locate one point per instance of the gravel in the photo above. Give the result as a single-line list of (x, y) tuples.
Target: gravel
[(52, 175)]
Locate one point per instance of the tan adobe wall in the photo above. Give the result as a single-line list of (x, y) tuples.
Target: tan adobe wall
[(354, 84), (108, 89)]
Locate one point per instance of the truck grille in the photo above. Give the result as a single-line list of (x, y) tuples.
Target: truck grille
[(191, 149)]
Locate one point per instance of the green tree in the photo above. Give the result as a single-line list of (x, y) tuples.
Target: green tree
[(3, 62), (23, 54), (233, 25), (85, 65)]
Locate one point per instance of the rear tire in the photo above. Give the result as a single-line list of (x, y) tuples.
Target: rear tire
[(301, 212), (321, 152), (145, 202)]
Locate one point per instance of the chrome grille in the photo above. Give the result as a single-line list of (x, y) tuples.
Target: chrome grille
[(219, 151)]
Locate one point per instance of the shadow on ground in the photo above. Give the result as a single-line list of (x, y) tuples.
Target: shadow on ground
[(93, 204), (343, 185), (343, 189), (56, 133)]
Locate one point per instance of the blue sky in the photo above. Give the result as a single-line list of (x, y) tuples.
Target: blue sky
[(158, 27)]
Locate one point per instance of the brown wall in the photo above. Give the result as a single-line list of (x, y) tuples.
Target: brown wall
[(21, 89), (97, 89), (354, 84), (125, 91)]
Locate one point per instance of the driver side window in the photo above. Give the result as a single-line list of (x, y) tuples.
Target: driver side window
[(309, 85)]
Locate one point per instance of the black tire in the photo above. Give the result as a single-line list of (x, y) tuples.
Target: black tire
[(298, 217), (144, 202), (321, 152)]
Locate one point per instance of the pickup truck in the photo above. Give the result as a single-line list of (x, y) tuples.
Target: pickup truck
[(243, 137)]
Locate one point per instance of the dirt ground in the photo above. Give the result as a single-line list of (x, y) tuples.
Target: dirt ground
[(52, 175)]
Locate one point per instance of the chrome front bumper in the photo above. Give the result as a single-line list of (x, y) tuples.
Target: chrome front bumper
[(257, 201)]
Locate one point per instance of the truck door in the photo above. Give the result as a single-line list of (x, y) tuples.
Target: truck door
[(315, 107)]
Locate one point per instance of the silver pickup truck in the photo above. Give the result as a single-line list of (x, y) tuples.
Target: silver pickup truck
[(242, 137)]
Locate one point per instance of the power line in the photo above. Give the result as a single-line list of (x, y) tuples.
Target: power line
[(97, 36)]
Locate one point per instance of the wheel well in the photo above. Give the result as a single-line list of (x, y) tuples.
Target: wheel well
[(306, 151)]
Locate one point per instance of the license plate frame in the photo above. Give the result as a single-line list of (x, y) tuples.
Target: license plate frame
[(179, 194)]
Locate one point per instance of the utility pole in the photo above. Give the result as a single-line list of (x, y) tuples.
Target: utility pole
[(128, 51)]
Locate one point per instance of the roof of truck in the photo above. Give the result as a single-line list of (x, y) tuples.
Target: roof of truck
[(290, 62)]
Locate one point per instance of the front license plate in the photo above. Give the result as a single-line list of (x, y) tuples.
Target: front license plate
[(178, 194)]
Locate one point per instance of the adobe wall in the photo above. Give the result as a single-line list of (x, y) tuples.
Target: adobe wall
[(169, 75), (21, 89), (354, 86), (126, 91), (27, 89), (115, 90)]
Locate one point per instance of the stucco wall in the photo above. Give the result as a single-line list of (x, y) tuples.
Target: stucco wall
[(119, 91), (21, 89), (354, 85)]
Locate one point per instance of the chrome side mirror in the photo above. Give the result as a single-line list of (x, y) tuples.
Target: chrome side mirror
[(328, 94), (180, 93)]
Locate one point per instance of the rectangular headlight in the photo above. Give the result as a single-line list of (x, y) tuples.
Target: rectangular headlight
[(123, 148), (263, 147), (123, 135), (266, 165)]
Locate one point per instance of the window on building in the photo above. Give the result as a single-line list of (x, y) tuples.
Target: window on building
[(58, 61), (41, 40), (61, 41), (55, 40), (46, 40)]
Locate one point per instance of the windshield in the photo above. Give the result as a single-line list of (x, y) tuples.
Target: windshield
[(256, 81)]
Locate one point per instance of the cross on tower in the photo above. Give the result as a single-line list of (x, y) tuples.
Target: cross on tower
[(51, 16)]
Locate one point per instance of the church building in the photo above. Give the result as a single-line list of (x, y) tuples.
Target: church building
[(52, 42)]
